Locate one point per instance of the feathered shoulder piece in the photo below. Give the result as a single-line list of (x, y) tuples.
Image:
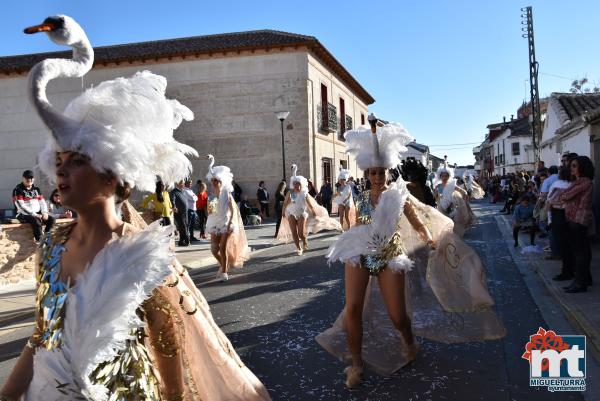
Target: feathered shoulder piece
[(126, 127), (369, 239), (391, 140)]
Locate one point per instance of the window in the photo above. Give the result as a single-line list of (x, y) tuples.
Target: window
[(324, 112), (342, 119), (326, 165), (362, 119), (516, 150), (344, 164)]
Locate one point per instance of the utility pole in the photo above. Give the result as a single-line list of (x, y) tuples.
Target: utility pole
[(535, 119)]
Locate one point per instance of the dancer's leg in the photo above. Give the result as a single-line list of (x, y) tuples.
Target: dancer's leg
[(347, 217), (294, 229), (302, 232), (392, 290), (341, 209), (223, 252), (356, 280), (214, 247)]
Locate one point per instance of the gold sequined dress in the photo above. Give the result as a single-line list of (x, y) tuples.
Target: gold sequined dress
[(134, 309)]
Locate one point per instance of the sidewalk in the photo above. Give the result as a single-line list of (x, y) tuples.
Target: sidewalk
[(581, 310), (17, 300)]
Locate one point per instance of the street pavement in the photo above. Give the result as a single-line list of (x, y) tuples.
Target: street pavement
[(273, 308)]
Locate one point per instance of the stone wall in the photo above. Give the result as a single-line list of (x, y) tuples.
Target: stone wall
[(17, 253)]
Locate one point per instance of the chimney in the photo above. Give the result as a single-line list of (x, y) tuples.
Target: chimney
[(504, 119)]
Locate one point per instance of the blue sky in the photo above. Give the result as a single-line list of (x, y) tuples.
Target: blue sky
[(444, 69)]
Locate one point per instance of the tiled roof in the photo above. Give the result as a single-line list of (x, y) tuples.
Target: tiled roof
[(520, 127), (575, 109), (575, 105), (196, 45), (420, 147)]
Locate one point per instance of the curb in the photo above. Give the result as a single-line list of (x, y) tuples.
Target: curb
[(12, 318), (575, 317)]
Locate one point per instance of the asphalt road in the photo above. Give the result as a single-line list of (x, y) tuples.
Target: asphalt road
[(273, 311), (273, 308)]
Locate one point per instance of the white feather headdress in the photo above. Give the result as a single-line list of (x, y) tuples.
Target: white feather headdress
[(221, 173), (298, 178), (125, 126), (385, 152), (443, 168), (344, 174)]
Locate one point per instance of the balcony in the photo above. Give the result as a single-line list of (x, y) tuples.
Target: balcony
[(327, 118), (346, 127)]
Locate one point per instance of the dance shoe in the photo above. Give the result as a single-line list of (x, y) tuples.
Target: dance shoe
[(353, 376)]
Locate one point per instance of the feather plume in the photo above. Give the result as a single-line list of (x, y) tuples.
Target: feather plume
[(392, 139), (126, 127)]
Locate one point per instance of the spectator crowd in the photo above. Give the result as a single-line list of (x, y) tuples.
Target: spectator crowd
[(555, 202)]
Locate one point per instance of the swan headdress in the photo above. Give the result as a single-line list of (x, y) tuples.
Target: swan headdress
[(443, 168), (344, 174), (125, 126), (221, 173), (298, 178), (377, 146)]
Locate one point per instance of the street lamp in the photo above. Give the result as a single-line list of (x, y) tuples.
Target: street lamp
[(281, 116)]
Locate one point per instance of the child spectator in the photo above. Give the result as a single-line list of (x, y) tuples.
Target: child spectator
[(201, 208), (523, 217)]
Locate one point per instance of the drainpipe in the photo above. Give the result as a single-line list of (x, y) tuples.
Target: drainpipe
[(314, 133)]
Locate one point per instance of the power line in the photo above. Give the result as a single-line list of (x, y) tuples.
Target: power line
[(557, 76), (455, 144), (445, 149)]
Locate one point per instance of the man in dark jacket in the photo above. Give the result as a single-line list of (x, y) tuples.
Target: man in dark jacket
[(180, 212), (31, 206), (263, 198), (326, 193)]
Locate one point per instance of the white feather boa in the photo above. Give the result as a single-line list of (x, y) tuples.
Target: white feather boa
[(369, 239), (101, 315)]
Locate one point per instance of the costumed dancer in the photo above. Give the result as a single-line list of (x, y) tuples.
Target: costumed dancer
[(344, 200), (415, 175), (389, 272), (452, 200), (228, 242), (471, 186), (117, 317), (302, 214)]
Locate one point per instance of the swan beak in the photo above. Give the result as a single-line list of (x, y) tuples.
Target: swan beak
[(46, 27)]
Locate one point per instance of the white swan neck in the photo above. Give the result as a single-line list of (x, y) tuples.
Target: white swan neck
[(42, 73)]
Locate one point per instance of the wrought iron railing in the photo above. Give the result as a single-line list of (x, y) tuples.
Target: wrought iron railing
[(327, 118), (345, 127)]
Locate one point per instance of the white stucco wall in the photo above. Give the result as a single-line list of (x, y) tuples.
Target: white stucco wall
[(577, 142)]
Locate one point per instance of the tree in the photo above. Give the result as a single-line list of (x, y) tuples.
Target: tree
[(583, 86)]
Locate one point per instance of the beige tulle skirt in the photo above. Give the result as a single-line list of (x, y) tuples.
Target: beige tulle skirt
[(446, 296), (462, 214)]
